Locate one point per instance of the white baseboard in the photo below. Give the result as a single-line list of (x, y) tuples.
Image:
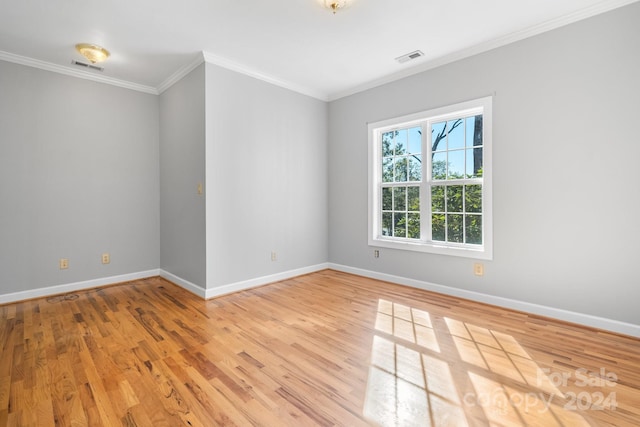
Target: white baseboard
[(556, 313), (191, 287), (239, 286), (76, 286), (264, 280)]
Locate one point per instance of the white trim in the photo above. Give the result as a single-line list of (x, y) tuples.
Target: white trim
[(375, 130), (185, 284), (541, 310), (77, 286), (248, 71), (264, 280), (557, 313), (82, 74), (169, 81), (552, 24), (534, 30), (180, 73)]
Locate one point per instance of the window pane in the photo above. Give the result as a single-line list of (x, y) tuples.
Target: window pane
[(455, 138), (400, 224), (387, 169), (437, 198), (438, 137), (473, 198), (387, 144), (473, 228), (469, 170), (474, 163), (438, 227), (413, 196), (413, 226), (474, 131), (478, 162), (415, 168), (400, 140), (387, 200), (456, 165), (415, 140), (439, 166), (454, 198), (455, 231), (469, 127), (387, 218), (400, 198), (401, 169)]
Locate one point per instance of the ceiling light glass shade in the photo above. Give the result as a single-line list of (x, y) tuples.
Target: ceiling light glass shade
[(92, 52), (334, 5)]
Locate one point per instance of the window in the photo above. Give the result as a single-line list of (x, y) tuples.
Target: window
[(430, 181)]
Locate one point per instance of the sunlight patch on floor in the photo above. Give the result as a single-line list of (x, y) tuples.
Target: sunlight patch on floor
[(422, 376)]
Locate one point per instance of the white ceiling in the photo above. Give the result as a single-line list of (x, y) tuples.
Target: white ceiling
[(294, 43)]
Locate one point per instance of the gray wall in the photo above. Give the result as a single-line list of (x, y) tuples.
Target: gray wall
[(78, 177), (566, 153), (266, 178), (182, 168)]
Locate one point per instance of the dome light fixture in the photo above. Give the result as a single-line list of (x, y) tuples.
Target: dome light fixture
[(334, 5), (92, 52)]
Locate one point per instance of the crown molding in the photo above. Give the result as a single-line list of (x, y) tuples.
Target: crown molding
[(170, 81), (202, 57), (544, 27), (243, 69), (181, 72), (60, 69)]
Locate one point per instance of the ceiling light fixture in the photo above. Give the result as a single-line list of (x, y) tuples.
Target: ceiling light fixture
[(92, 52), (334, 5)]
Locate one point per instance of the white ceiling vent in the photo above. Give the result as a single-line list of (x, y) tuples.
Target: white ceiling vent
[(409, 56), (85, 65)]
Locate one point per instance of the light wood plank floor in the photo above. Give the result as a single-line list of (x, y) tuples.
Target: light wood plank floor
[(325, 349)]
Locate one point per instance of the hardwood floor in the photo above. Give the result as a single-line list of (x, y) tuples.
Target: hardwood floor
[(327, 348)]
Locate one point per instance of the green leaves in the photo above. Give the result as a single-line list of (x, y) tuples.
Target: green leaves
[(456, 156), (456, 213), (401, 211)]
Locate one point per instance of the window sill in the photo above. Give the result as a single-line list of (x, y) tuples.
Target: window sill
[(465, 252)]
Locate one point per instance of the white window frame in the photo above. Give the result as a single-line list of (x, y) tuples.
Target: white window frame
[(478, 106)]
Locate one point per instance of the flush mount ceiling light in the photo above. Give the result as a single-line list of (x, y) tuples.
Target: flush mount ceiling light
[(334, 5), (92, 52)]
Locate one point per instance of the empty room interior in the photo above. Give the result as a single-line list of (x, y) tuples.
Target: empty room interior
[(318, 212)]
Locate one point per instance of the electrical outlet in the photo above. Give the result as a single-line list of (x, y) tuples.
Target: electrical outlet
[(64, 263), (199, 188), (478, 269), (274, 256), (106, 258), (376, 253)]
